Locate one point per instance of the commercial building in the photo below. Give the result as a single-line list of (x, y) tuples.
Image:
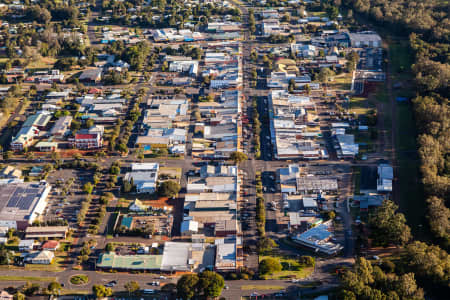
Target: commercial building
[(87, 141), (50, 232), (112, 261), (21, 203), (385, 177), (318, 239)]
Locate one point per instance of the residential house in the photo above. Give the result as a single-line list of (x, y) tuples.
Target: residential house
[(44, 257)]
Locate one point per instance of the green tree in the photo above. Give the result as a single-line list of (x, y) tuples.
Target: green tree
[(122, 148), (89, 123), (88, 188), (187, 286), (211, 284), (325, 75), (19, 296), (347, 295), (110, 247), (54, 288), (30, 289), (269, 266), (131, 287), (169, 188), (100, 291), (388, 226), (266, 244), (238, 157), (7, 155), (5, 255)]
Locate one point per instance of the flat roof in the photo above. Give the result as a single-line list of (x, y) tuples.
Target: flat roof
[(130, 262), (19, 200)]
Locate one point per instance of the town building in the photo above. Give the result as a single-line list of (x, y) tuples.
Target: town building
[(21, 203)]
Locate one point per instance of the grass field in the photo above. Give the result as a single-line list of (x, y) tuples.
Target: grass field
[(27, 278), (291, 268), (410, 190)]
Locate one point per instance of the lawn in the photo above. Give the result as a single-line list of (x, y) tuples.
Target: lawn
[(360, 105), (75, 292), (356, 177), (261, 287), (79, 279), (291, 268), (27, 278), (341, 82)]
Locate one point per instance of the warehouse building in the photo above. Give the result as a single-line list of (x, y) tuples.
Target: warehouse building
[(21, 203)]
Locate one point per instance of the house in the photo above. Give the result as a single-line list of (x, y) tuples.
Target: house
[(4, 295), (46, 146), (43, 257), (91, 76), (137, 206), (10, 172), (50, 245), (26, 245), (36, 171)]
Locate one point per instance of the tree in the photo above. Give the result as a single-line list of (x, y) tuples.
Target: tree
[(131, 287), (307, 89), (187, 286), (122, 148), (169, 188), (269, 266), (89, 123), (325, 74), (238, 157), (110, 247), (30, 289), (5, 255), (439, 217), (266, 244), (7, 155), (19, 296), (347, 295), (88, 188), (388, 226), (101, 291), (211, 284), (291, 87), (54, 288)]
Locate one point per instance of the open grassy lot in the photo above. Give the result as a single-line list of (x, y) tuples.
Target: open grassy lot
[(291, 268)]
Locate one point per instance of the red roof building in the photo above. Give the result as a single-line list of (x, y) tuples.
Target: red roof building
[(87, 141), (50, 245)]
